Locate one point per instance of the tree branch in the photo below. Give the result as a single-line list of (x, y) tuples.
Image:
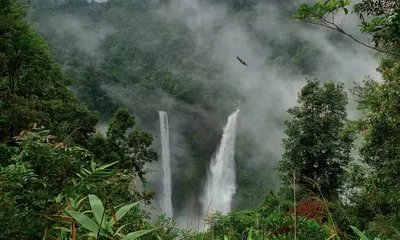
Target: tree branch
[(335, 27)]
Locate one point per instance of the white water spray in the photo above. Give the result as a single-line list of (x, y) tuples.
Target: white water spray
[(166, 203), (220, 185)]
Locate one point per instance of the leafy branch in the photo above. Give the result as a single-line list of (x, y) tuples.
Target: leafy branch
[(324, 13)]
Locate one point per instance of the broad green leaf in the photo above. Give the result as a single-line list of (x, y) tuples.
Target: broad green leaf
[(137, 234), (346, 11), (121, 212), (225, 238), (359, 233), (97, 208), (85, 221), (107, 165)]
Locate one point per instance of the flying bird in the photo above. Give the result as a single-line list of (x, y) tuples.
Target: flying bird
[(178, 146), (241, 61)]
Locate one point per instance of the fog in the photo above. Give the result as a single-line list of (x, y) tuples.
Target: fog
[(265, 90)]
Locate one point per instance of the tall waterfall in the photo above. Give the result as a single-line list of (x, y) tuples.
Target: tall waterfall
[(220, 185), (166, 203)]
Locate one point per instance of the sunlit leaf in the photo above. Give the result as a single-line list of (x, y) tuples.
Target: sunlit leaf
[(97, 208)]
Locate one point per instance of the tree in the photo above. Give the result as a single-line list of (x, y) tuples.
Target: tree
[(31, 177), (381, 130), (374, 201), (32, 85), (132, 151), (384, 26), (319, 141), (33, 174)]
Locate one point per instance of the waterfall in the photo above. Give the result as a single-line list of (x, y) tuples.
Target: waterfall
[(166, 203), (220, 185)]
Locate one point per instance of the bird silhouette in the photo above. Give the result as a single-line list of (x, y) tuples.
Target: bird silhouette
[(241, 61), (178, 146)]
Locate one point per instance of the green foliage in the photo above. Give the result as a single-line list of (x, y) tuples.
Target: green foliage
[(104, 221), (320, 10), (38, 169), (319, 141), (237, 225), (270, 204), (385, 29), (362, 236), (371, 185), (376, 201), (42, 167), (269, 221), (384, 23), (32, 85), (132, 151), (33, 175), (384, 26)]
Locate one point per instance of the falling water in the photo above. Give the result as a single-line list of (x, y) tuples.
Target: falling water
[(220, 185), (166, 204)]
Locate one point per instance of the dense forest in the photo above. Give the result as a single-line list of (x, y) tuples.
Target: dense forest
[(81, 84)]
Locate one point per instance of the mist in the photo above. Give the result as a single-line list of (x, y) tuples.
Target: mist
[(265, 89)]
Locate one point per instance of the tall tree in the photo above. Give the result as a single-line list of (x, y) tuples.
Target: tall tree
[(381, 130), (318, 142), (32, 85), (132, 150)]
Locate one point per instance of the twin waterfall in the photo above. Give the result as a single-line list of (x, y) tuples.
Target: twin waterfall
[(220, 185), (166, 202)]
